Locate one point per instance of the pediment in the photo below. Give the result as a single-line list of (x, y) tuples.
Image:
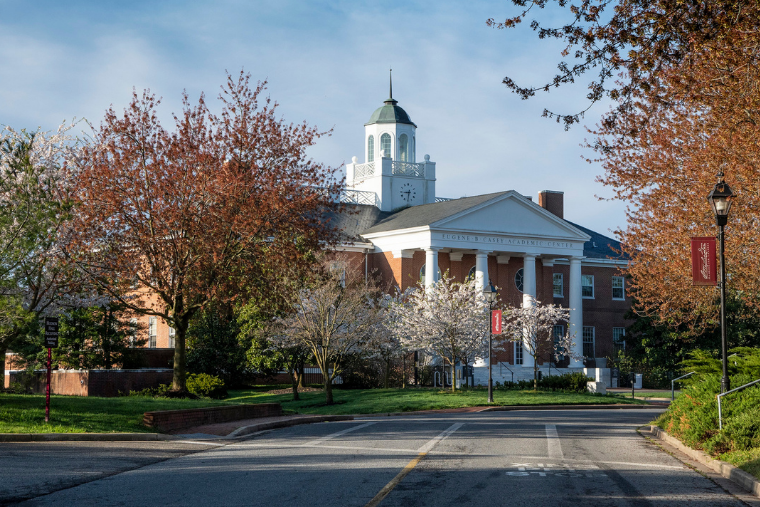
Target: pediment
[(510, 213)]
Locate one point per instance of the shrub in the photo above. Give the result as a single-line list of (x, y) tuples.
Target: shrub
[(693, 416), (153, 392), (574, 382), (205, 385)]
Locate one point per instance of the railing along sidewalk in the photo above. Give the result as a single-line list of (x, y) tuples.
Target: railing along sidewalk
[(720, 411)]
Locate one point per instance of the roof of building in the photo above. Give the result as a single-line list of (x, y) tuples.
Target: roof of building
[(355, 219), (426, 214), (599, 246), (359, 219), (390, 113)]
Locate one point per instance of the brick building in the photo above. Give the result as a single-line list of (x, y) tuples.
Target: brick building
[(398, 228), (395, 226)]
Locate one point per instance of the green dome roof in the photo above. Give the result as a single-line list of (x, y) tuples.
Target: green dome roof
[(390, 113)]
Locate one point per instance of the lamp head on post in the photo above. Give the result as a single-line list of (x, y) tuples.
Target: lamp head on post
[(490, 293), (720, 199)]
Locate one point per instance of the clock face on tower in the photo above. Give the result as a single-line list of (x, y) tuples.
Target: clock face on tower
[(408, 193)]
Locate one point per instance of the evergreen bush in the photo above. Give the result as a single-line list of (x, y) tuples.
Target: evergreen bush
[(693, 416), (207, 386)]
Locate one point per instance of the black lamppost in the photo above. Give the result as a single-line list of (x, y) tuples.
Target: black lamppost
[(720, 199), (489, 291)]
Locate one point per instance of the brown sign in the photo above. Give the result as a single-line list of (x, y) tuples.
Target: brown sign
[(704, 263)]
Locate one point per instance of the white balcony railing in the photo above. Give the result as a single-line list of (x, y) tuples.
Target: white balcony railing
[(358, 197), (363, 171), (443, 199), (409, 169)]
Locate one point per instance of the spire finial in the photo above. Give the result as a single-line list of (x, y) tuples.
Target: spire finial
[(391, 81)]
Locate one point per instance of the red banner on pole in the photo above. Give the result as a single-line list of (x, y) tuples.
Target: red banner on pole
[(495, 321), (704, 263)]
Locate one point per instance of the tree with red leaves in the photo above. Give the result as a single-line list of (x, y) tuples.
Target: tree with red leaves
[(167, 222)]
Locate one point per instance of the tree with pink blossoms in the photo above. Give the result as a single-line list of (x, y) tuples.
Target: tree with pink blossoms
[(448, 318)]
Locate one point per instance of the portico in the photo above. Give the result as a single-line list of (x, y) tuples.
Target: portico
[(496, 229)]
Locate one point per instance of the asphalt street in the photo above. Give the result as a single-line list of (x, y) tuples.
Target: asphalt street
[(530, 458)]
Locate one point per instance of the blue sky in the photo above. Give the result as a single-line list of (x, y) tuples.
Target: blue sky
[(327, 63)]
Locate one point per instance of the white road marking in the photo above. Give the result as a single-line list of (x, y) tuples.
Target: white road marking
[(337, 434), (440, 438), (647, 465), (198, 443), (555, 448)]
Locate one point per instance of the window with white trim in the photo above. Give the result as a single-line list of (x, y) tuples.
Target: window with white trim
[(385, 144), (618, 341), (471, 274), (403, 148), (152, 328), (172, 335), (558, 285), (520, 279), (587, 286), (588, 341), (422, 274), (371, 149), (518, 353), (618, 288), (132, 332)]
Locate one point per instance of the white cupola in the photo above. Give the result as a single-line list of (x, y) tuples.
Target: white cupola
[(390, 169)]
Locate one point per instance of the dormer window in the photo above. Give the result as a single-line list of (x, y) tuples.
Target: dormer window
[(403, 148), (371, 149), (385, 144)]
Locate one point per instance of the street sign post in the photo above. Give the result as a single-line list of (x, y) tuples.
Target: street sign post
[(51, 342)]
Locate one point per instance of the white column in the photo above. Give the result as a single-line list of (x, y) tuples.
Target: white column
[(529, 297), (481, 269), (576, 309), (431, 266)]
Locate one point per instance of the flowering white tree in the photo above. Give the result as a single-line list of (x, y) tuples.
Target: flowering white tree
[(34, 208), (448, 318), (532, 328), (333, 319)]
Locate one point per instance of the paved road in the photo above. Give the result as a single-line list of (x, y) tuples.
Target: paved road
[(541, 458)]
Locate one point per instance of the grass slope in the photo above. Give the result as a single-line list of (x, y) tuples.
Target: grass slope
[(74, 414)]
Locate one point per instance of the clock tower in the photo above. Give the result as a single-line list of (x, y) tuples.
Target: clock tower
[(390, 170)]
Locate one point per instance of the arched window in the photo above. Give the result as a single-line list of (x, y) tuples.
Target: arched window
[(471, 274), (414, 148), (403, 148), (519, 276), (371, 149), (422, 274), (385, 144)]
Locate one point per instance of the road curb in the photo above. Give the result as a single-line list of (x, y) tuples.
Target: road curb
[(155, 437), (84, 437), (253, 428), (611, 406), (727, 470)]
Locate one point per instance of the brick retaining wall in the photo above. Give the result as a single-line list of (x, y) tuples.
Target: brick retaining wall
[(167, 420), (93, 382)]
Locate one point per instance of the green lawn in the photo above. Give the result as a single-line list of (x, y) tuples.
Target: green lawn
[(72, 414), (25, 413), (374, 401)]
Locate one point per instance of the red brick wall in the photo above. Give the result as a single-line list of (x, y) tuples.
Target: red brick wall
[(94, 382), (167, 420)]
